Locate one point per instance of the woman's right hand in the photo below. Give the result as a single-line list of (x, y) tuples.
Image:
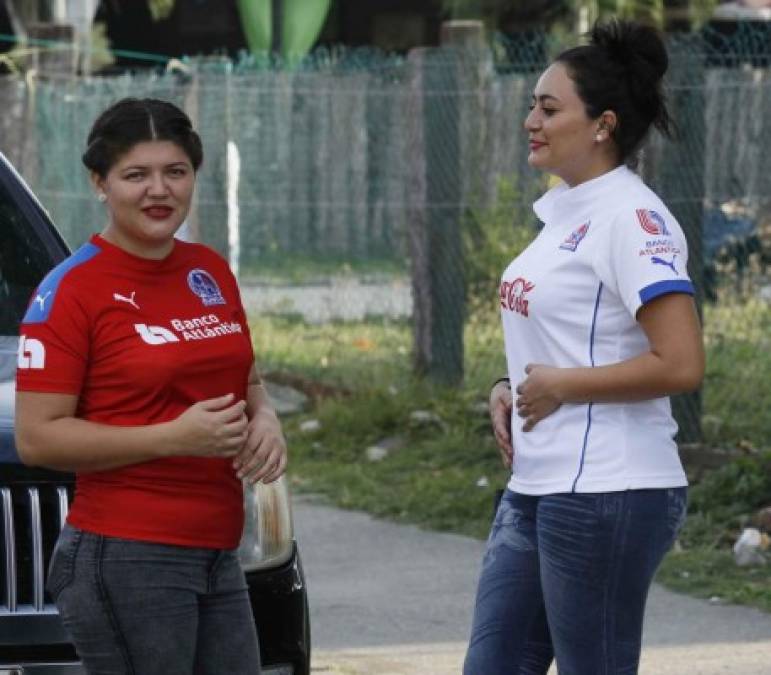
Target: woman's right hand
[(215, 427), (501, 405)]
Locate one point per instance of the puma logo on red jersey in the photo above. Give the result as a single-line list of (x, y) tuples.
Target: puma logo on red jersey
[(513, 295), (122, 298), (41, 300)]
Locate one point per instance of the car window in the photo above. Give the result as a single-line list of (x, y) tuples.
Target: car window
[(24, 261)]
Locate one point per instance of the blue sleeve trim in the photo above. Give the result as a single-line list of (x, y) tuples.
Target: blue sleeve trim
[(41, 305), (663, 287)]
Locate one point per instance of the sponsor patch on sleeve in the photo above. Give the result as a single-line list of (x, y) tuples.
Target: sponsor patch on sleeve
[(652, 222)]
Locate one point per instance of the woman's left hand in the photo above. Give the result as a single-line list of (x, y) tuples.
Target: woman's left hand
[(537, 394), (263, 456)]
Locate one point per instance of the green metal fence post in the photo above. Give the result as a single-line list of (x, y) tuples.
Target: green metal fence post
[(435, 233), (683, 191)]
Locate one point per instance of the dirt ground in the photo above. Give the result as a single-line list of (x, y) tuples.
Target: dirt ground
[(446, 659)]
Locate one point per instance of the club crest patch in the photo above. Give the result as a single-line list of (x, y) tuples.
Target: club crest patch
[(652, 223), (205, 287), (574, 238)]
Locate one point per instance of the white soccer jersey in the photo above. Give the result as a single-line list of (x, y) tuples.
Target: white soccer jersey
[(569, 300)]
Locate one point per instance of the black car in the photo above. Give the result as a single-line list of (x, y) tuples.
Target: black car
[(34, 502)]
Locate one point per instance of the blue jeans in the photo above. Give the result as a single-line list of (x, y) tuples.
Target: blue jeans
[(566, 576), (138, 608)]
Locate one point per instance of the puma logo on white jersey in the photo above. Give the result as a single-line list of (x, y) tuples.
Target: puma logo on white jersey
[(661, 261), (123, 298), (155, 335), (32, 353), (41, 300)]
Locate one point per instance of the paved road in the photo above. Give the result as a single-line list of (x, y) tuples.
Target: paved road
[(390, 599), (349, 299)]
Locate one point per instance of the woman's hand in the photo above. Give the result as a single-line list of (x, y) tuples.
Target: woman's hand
[(500, 415), (215, 427), (538, 394), (263, 456)]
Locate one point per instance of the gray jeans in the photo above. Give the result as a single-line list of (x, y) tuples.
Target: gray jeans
[(138, 608)]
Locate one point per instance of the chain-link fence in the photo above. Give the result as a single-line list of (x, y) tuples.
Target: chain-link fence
[(361, 185)]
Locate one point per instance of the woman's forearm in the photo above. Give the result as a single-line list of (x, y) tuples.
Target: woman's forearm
[(73, 444), (257, 399), (674, 362), (49, 434), (643, 377), (264, 455)]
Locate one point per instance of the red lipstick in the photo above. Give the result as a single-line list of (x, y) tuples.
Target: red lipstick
[(158, 212)]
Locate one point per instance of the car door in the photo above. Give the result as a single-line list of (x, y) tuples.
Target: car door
[(33, 502), (29, 247)]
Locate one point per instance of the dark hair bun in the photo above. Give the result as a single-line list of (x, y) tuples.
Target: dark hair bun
[(622, 69), (636, 47)]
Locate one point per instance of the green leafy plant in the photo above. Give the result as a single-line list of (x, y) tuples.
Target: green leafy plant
[(720, 505), (736, 489), (494, 235), (737, 384), (444, 476)]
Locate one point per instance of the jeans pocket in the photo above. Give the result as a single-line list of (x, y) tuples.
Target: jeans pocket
[(61, 570)]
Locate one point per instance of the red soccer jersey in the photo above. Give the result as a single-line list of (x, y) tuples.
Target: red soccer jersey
[(139, 341)]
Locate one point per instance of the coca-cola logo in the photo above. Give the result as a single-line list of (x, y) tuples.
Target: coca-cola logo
[(513, 295)]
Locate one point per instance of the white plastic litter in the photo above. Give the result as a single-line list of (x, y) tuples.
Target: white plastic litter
[(748, 548)]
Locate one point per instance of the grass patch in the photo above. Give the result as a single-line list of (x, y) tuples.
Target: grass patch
[(431, 480), (710, 573), (302, 269), (367, 355), (720, 506), (355, 355), (737, 385), (443, 475)]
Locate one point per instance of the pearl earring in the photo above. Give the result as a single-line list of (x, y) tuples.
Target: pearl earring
[(598, 137), (102, 197)]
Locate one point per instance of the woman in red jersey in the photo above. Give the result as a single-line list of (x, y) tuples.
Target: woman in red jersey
[(146, 387)]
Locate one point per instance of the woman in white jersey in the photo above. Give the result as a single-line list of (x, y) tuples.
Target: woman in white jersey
[(600, 328)]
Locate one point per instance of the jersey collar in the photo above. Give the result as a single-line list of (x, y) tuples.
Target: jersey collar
[(585, 198)]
